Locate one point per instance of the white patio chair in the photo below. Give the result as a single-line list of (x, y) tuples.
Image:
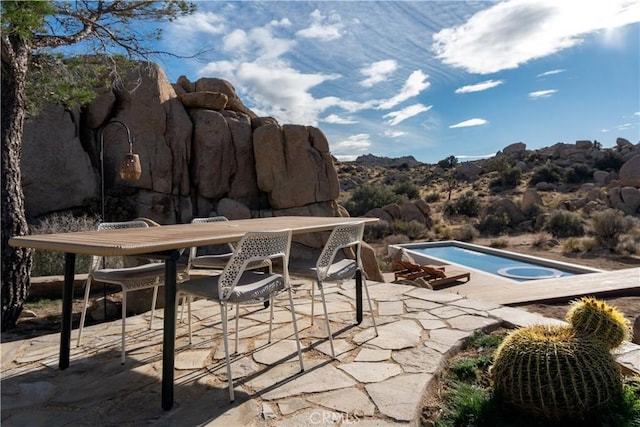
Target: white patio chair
[(214, 261), (239, 285), (143, 276), (333, 266)]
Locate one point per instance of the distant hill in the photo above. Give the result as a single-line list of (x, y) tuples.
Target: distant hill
[(371, 160)]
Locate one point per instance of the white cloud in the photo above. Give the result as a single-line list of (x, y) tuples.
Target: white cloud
[(396, 117), (470, 157), (350, 148), (320, 30), (378, 72), (335, 119), (394, 133), (199, 22), (637, 113), (415, 84), (478, 87), (624, 126), (550, 72), (542, 93), (513, 32), (469, 123)]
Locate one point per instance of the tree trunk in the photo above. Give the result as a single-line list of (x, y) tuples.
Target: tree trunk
[(16, 262)]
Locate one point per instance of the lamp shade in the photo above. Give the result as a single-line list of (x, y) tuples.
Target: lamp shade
[(130, 168)]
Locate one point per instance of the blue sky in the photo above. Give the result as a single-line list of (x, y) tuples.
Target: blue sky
[(428, 79)]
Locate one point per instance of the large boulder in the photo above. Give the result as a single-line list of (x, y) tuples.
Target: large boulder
[(530, 200), (294, 166), (57, 174), (630, 172)]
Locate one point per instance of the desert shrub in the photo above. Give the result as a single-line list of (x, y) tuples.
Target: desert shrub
[(432, 197), (629, 244), (546, 173), (499, 243), (369, 196), (411, 191), (48, 263), (509, 178), (448, 163), (466, 233), (468, 204), (532, 211), (498, 163), (578, 173), (376, 232), (412, 229), (443, 232), (494, 224), (564, 224), (611, 161), (609, 225), (571, 245), (541, 239)]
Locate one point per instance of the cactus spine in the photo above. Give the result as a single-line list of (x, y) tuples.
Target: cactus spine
[(562, 372)]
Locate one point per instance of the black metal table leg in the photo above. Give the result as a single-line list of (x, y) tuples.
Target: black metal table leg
[(169, 336), (358, 296), (67, 310)]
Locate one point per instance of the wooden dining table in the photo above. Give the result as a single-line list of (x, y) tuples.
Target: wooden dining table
[(165, 242)]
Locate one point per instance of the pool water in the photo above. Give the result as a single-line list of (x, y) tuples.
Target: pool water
[(514, 269)]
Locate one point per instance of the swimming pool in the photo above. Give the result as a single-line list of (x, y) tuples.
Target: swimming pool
[(517, 267)]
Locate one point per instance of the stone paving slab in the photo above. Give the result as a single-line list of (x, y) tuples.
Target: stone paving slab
[(374, 380)]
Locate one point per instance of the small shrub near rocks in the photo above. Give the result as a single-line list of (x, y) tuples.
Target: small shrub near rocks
[(47, 263), (412, 229), (411, 191), (611, 161), (546, 173), (494, 224), (609, 225), (468, 205), (579, 173), (564, 224), (369, 197), (541, 240), (579, 245), (432, 197), (466, 233), (499, 243), (629, 243)]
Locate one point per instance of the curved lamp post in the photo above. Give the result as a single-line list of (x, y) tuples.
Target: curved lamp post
[(130, 168)]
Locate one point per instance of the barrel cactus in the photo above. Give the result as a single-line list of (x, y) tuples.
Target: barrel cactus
[(563, 372)]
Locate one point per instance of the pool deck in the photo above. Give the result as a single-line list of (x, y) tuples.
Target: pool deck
[(490, 288)]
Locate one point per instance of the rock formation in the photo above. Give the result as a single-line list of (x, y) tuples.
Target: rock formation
[(202, 151)]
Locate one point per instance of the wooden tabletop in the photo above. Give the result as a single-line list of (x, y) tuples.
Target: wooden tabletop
[(167, 237)]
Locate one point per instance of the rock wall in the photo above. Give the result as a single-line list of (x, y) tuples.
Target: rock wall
[(200, 148)]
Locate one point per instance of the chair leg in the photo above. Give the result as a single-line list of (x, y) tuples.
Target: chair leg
[(373, 317), (270, 301), (237, 328), (313, 300), (326, 316), (124, 317), (189, 298), (295, 329), (87, 290), (223, 312), (153, 305)]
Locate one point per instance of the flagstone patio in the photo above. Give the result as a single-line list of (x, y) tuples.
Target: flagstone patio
[(375, 381)]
